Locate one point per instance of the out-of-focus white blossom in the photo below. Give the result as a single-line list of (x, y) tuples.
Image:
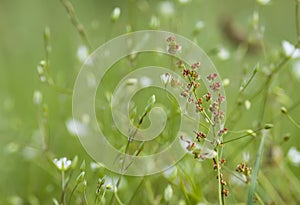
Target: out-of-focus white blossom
[(294, 156), (184, 1), (168, 193), (145, 81), (247, 104), (76, 128), (166, 8), (223, 53), (116, 14), (290, 50), (37, 97), (82, 53), (226, 82), (263, 2), (62, 164), (199, 26)]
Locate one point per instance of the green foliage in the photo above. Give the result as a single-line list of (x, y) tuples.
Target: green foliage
[(42, 47)]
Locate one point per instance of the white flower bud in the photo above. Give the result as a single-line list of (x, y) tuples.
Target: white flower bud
[(37, 97), (168, 193), (62, 164), (116, 14), (226, 82), (263, 2), (166, 79), (154, 22), (247, 104)]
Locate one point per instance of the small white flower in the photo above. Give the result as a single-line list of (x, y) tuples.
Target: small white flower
[(223, 53), (263, 2), (145, 81), (290, 50), (110, 183), (41, 71), (226, 82), (166, 78), (76, 127), (166, 8), (247, 104), (294, 156), (95, 166), (62, 164), (168, 193), (37, 97), (184, 1), (82, 53), (170, 172), (199, 26), (116, 14)]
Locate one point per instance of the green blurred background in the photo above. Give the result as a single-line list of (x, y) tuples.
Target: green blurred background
[(26, 177)]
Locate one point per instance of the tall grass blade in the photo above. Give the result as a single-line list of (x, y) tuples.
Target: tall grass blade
[(256, 169)]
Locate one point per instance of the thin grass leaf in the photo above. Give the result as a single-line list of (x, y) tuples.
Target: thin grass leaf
[(256, 169), (184, 191), (270, 189)]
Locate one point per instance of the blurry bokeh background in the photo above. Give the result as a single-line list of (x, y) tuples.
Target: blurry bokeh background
[(27, 177)]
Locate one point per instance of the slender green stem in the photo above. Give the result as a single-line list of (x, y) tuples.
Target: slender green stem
[(102, 197), (265, 98), (63, 187), (136, 191), (59, 88), (130, 139), (72, 192), (256, 170), (259, 199), (245, 85), (50, 81), (297, 19), (117, 197), (233, 114), (85, 197), (243, 136), (293, 121), (47, 48), (75, 21), (182, 186), (220, 187)]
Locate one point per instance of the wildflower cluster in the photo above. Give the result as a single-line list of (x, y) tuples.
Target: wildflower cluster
[(173, 47), (190, 90), (244, 169), (210, 102)]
